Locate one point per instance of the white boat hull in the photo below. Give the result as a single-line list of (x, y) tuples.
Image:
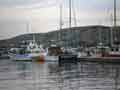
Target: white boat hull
[(20, 57), (51, 58)]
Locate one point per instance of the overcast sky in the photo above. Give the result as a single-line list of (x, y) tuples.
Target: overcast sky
[(26, 16)]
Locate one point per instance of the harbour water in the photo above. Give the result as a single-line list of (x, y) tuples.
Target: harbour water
[(51, 76)]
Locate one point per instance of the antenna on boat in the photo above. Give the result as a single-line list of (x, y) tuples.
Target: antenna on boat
[(33, 35), (29, 30)]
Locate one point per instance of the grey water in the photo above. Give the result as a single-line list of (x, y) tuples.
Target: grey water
[(51, 76)]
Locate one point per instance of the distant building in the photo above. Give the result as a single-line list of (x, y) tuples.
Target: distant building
[(86, 36)]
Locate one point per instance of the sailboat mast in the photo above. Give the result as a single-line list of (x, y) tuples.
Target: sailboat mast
[(111, 30), (60, 16), (74, 14), (60, 21), (114, 13), (70, 5), (70, 22), (114, 23)]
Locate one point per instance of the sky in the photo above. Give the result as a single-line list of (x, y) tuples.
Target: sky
[(38, 16)]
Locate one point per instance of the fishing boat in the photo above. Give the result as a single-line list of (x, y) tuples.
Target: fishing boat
[(31, 53), (35, 51), (19, 54)]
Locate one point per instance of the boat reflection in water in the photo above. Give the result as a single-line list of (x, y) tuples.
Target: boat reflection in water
[(23, 69), (51, 76)]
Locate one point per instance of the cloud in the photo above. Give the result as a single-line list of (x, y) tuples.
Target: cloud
[(28, 3), (23, 12)]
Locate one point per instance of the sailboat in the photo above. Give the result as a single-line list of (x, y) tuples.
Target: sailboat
[(107, 54), (115, 49), (53, 51)]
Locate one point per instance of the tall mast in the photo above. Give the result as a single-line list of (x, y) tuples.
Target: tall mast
[(70, 10), (70, 13), (114, 13), (113, 19), (60, 21), (60, 16), (115, 23), (111, 30), (74, 14)]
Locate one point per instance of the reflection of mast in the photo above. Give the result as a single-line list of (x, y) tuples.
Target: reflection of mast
[(116, 77)]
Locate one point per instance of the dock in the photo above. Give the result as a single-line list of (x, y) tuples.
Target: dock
[(100, 59)]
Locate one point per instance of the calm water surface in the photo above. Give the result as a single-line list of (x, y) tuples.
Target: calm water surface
[(51, 76)]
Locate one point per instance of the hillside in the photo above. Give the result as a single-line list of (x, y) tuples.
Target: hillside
[(76, 36)]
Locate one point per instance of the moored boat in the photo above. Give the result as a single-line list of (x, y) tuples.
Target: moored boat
[(30, 53), (104, 54), (19, 54), (53, 53)]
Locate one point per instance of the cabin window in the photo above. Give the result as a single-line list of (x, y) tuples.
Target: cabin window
[(28, 52), (22, 52), (36, 52)]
